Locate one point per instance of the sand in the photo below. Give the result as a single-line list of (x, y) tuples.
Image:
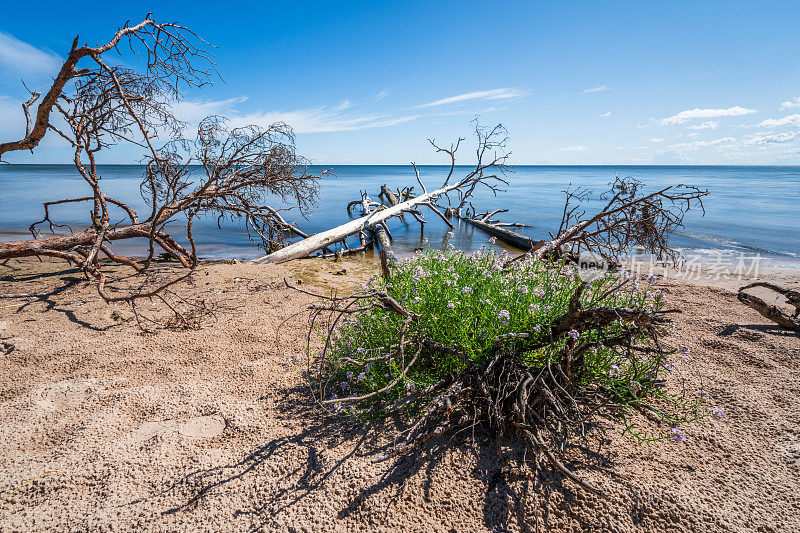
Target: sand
[(106, 428)]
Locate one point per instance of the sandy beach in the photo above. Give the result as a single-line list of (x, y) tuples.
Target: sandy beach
[(106, 428)]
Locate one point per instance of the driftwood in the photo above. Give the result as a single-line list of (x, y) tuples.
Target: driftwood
[(488, 171), (484, 222), (772, 312)]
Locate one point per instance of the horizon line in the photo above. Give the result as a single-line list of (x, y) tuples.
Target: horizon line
[(511, 166)]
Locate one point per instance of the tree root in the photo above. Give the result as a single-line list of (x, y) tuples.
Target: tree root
[(546, 404)]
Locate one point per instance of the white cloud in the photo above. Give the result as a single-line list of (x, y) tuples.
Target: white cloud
[(794, 102), (702, 144), (605, 115), (311, 120), (471, 111), (657, 140), (193, 111), (381, 95), (771, 138), (744, 149), (772, 122), (573, 149), (709, 125), (22, 57), (493, 94), (320, 120), (690, 114), (599, 89)]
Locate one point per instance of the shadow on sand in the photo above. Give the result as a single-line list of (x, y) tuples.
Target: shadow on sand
[(49, 298), (756, 329), (508, 493)]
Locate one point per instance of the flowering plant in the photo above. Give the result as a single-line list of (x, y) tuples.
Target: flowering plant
[(482, 321)]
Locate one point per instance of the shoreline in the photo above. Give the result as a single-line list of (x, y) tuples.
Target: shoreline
[(246, 250)]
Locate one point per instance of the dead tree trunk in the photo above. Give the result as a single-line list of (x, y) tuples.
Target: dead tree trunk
[(100, 104), (772, 312), (488, 142), (327, 238), (516, 240)]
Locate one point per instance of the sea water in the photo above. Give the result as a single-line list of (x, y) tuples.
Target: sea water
[(751, 211)]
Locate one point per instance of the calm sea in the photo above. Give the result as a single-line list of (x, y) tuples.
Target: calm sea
[(750, 210)]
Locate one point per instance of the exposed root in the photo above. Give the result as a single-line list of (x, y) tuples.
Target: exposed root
[(545, 404)]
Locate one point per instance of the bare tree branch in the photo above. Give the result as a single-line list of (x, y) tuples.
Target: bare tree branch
[(102, 105)]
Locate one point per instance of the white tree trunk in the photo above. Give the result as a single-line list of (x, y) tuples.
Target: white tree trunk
[(326, 238)]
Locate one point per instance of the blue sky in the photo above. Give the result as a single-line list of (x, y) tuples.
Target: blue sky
[(369, 82)]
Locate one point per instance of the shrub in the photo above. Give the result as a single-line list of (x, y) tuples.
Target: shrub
[(520, 346)]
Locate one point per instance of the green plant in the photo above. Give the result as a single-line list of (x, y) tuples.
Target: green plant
[(521, 347)]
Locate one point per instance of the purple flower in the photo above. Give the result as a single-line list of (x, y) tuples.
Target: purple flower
[(504, 315), (523, 289), (466, 290), (450, 305), (492, 240), (636, 387), (574, 334), (702, 394), (678, 436), (684, 350), (361, 377), (613, 371), (717, 413)]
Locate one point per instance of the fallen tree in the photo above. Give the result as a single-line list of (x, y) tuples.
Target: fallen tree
[(484, 222), (629, 218), (93, 105), (489, 170)]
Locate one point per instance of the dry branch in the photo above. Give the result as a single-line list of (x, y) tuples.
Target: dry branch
[(629, 218), (99, 105)]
